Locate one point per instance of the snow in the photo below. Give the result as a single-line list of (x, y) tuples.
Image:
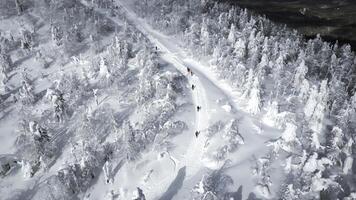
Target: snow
[(238, 138), (169, 174), (312, 164), (206, 93), (348, 165), (289, 134), (227, 108)]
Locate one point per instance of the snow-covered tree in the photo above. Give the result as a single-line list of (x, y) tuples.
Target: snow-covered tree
[(103, 69), (26, 40), (193, 35), (240, 50), (206, 38), (304, 90), (337, 96), (249, 82), (216, 55), (3, 81), (57, 35), (334, 145), (138, 194), (289, 137), (347, 150), (262, 171), (300, 75), (263, 67), (254, 102), (26, 92), (316, 109), (146, 88), (233, 135), (34, 147), (131, 141), (271, 116), (58, 102), (213, 185), (231, 37), (5, 61), (119, 53), (38, 132)]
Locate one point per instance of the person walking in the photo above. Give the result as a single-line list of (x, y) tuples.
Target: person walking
[(198, 108), (197, 133)]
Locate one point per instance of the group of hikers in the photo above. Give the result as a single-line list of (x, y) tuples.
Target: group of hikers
[(190, 71), (198, 107)]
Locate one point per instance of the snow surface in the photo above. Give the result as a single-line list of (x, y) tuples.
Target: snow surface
[(165, 174), (181, 170)]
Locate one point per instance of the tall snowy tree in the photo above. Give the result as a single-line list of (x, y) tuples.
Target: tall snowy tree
[(26, 92), (255, 103), (103, 69), (231, 37), (240, 50), (300, 74), (57, 35), (205, 38), (131, 144), (3, 80)]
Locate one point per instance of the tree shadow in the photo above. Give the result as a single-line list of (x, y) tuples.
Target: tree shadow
[(117, 168), (252, 196), (5, 114), (238, 194), (23, 59), (175, 185)]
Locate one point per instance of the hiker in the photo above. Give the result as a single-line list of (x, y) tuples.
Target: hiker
[(193, 86), (191, 73), (198, 108), (188, 70), (197, 133)]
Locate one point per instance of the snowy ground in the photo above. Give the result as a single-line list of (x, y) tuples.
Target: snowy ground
[(160, 174), (176, 173)]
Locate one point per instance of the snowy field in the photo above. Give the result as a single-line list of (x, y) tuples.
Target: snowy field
[(130, 99)]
